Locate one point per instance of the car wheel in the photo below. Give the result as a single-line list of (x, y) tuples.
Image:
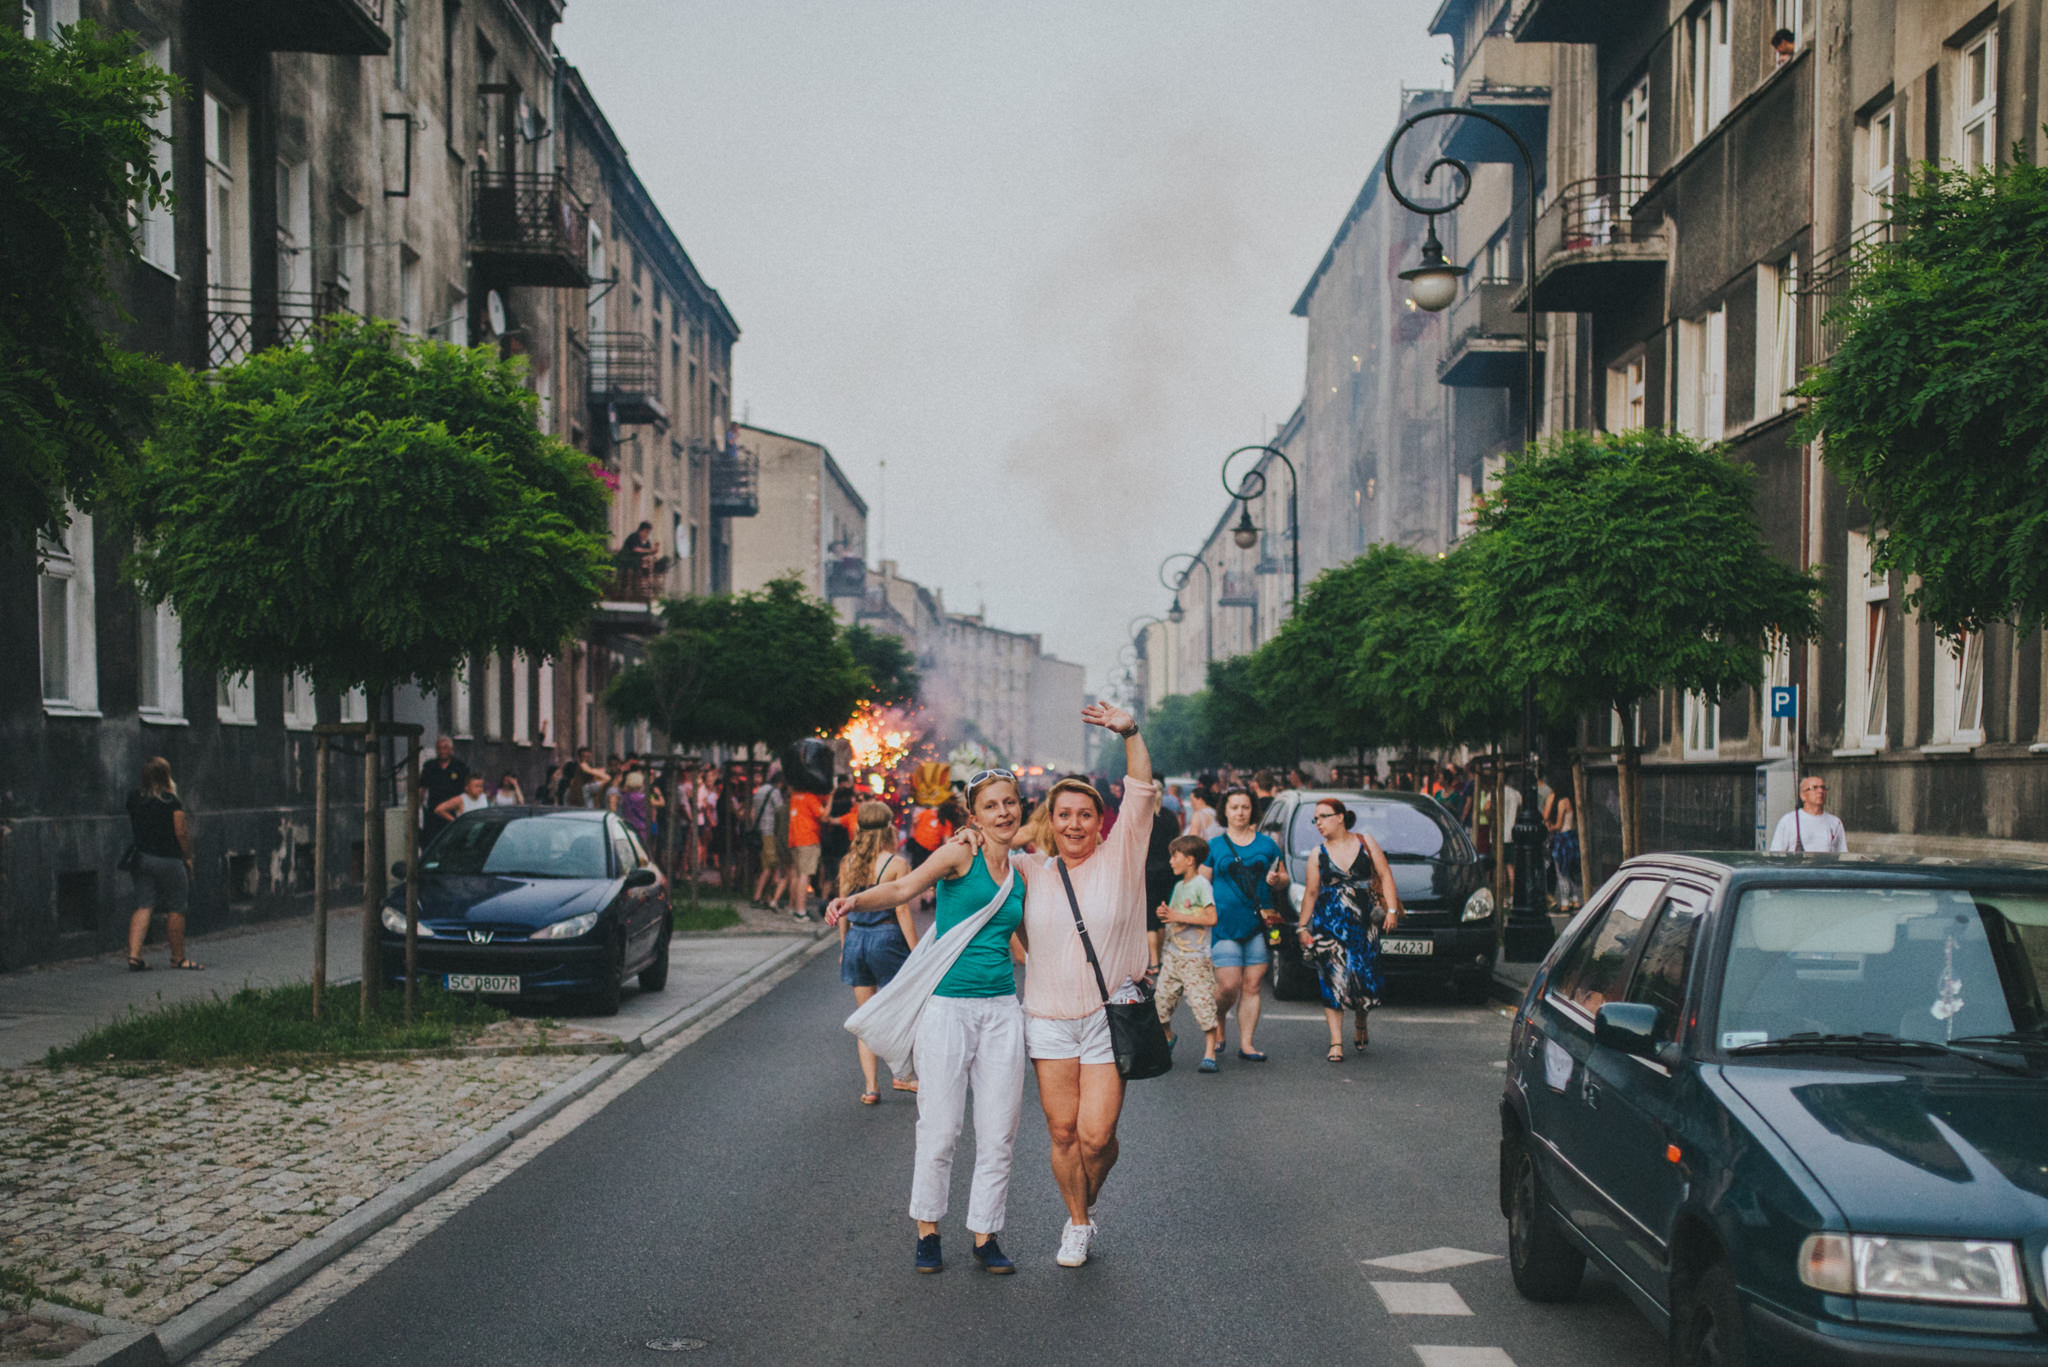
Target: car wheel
[(1707, 1331), (1545, 1265), (654, 977), (605, 1000)]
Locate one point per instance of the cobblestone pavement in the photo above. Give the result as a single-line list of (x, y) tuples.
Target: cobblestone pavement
[(140, 1191)]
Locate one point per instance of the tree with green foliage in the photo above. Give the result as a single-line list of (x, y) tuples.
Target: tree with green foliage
[(770, 666), (1417, 667), (79, 156), (891, 669), (368, 510), (1252, 720), (1610, 567), (1177, 734), (1293, 696), (1933, 412)]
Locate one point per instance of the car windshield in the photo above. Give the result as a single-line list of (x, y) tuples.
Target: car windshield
[(1401, 830), (1934, 964), (523, 847)]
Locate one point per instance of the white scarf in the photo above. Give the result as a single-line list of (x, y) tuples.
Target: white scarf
[(887, 1021)]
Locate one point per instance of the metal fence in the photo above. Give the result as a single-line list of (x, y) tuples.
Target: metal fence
[(1828, 282), (238, 323)]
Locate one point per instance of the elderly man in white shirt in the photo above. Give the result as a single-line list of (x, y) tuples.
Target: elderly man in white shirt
[(1809, 829)]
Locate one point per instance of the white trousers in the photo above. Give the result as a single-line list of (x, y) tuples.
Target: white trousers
[(965, 1042)]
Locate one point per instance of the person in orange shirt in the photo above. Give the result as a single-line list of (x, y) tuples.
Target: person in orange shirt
[(806, 813)]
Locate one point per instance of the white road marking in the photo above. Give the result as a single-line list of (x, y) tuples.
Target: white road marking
[(1433, 1356), (1421, 1298), (1432, 1260)]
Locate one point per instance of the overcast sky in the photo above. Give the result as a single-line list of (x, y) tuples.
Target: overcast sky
[(1038, 257)]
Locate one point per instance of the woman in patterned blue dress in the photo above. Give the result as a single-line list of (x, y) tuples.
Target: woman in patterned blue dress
[(1349, 898)]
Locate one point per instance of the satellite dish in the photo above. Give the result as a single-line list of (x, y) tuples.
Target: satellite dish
[(494, 312)]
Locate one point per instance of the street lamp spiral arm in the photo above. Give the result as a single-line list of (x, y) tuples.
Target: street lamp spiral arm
[(1246, 491)]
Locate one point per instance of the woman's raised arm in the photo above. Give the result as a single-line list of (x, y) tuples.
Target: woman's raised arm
[(948, 859)]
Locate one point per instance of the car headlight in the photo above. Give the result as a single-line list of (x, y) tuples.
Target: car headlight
[(567, 930), (1479, 906), (1967, 1271), (394, 921)]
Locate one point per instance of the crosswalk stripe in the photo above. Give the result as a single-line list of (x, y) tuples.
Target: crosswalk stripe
[(1434, 1356), (1431, 1260), (1421, 1298)]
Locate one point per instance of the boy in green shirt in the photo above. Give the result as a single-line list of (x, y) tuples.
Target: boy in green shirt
[(1184, 967)]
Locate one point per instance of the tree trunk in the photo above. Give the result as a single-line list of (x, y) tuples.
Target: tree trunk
[(412, 877), (320, 803), (1579, 823), (373, 870), (1499, 829), (1625, 779)]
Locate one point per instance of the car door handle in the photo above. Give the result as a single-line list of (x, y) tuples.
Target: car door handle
[(1591, 1092)]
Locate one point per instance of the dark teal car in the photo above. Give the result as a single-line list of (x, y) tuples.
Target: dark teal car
[(1797, 1106)]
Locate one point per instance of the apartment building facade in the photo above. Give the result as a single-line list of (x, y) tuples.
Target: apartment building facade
[(432, 162)]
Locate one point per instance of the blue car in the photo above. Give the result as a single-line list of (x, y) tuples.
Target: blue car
[(535, 903), (1797, 1106)]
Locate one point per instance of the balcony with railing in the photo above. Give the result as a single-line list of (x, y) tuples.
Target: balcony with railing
[(341, 27), (1498, 76), (1830, 278), (239, 323), (1563, 21), (528, 228), (1487, 338), (735, 485), (1593, 250), (625, 379), (1237, 590)]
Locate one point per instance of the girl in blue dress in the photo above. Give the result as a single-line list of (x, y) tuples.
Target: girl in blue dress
[(1348, 899)]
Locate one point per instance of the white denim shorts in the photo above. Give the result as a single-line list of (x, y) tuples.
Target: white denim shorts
[(1086, 1039)]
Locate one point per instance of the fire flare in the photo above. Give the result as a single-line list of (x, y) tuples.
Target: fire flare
[(878, 739)]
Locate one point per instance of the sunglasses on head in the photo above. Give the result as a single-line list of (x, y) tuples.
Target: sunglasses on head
[(986, 774)]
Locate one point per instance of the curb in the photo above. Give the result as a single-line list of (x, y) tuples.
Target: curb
[(200, 1324), (120, 1344), (668, 1027)]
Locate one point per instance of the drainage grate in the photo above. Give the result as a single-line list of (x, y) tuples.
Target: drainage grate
[(677, 1345)]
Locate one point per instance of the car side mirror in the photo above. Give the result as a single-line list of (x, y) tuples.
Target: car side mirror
[(1627, 1028), (398, 869), (642, 878)]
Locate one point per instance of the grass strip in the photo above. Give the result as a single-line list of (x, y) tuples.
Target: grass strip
[(261, 1022)]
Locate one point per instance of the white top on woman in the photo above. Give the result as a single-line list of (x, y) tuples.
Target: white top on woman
[(1110, 886)]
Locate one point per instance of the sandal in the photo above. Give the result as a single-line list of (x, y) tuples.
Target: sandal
[(137, 966), (1361, 1037), (900, 1085), (187, 964), (1336, 1054), (870, 1098)]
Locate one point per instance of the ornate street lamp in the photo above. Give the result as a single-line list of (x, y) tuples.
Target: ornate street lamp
[(1432, 285), (1245, 534), (1176, 614)]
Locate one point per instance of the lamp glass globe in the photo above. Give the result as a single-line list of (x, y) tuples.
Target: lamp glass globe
[(1433, 290)]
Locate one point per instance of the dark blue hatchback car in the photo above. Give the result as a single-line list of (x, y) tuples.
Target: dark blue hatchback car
[(1796, 1105), (536, 903)]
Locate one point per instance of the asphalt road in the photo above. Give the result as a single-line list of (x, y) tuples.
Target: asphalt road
[(739, 1199)]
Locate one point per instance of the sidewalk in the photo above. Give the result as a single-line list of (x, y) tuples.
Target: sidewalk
[(1511, 980), (136, 1192)]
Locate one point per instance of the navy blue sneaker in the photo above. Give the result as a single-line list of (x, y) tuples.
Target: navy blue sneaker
[(992, 1258), (928, 1259)]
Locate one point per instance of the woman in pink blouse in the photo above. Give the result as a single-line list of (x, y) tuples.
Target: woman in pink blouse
[(1065, 1030)]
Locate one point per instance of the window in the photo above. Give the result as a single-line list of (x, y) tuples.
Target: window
[(544, 688), (1468, 509), (1790, 14), (294, 226), (160, 678), (1627, 388), (1978, 89), (154, 223), (1880, 152), (1702, 375), (411, 306), (1499, 264), (235, 699), (451, 29), (43, 18), (599, 285), (401, 39), (65, 606), (1591, 973), (355, 705), (1959, 691), (1777, 674), (299, 711), (522, 698), (1702, 727), (494, 705), (1634, 158), (346, 256), (459, 711), (1869, 699), (1712, 68), (1659, 979), (1777, 335)]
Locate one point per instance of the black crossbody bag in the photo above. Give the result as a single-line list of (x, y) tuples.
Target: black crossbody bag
[(1136, 1037)]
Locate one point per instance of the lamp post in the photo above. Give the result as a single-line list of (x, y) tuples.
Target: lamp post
[(1176, 614), (1245, 533), (1432, 285)]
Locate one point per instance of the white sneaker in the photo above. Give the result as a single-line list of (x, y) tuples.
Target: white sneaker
[(1074, 1244)]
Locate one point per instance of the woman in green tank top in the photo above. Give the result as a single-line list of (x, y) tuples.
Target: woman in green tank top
[(970, 1036)]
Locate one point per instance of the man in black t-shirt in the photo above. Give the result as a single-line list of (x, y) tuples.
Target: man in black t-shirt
[(441, 778)]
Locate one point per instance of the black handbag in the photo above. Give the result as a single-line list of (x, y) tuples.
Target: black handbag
[(1136, 1037)]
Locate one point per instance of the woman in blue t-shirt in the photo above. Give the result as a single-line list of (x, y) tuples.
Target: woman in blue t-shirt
[(1245, 870)]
